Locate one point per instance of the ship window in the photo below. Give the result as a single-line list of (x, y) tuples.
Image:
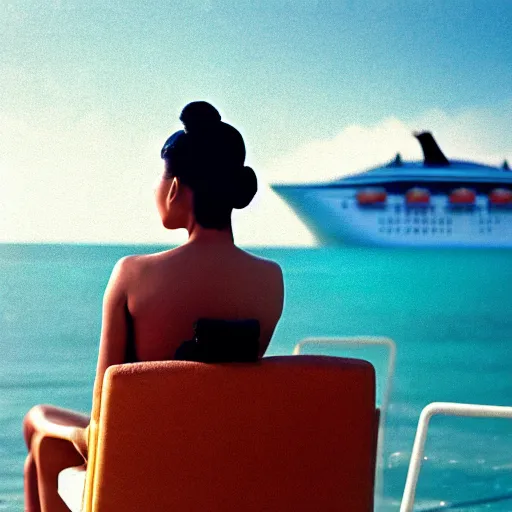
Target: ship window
[(496, 220), (344, 204), (390, 230), (449, 231), (416, 220), (425, 230), (390, 220), (397, 230), (381, 230), (425, 220), (416, 230), (434, 230), (448, 220), (397, 208), (441, 230), (441, 220), (408, 230)]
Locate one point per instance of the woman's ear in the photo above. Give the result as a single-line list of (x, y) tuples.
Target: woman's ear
[(174, 191)]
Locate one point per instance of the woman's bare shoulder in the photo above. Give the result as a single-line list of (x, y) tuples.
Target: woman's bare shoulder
[(139, 261), (131, 268), (269, 267)]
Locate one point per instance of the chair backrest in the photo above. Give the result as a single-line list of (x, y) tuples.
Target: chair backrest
[(287, 433)]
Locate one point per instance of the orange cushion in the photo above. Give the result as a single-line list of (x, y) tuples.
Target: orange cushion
[(287, 433)]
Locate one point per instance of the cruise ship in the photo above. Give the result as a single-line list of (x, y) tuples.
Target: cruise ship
[(434, 202)]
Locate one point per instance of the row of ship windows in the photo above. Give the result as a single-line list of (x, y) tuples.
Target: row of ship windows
[(433, 220), (407, 230), (489, 220), (424, 209), (425, 230), (425, 220)]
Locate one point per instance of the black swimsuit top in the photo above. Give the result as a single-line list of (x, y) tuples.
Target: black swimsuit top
[(222, 341), (215, 341)]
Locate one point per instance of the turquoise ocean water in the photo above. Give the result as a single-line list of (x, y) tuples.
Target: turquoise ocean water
[(450, 313)]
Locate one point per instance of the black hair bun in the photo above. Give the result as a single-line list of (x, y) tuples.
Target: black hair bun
[(244, 186), (198, 116)]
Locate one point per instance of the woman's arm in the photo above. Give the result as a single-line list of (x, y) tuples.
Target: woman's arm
[(114, 329), (275, 304)]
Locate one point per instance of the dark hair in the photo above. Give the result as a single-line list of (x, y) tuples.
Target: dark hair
[(208, 156)]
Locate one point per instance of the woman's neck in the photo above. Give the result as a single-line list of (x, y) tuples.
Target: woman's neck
[(199, 235)]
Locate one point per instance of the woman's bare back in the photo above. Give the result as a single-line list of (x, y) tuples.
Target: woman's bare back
[(152, 302), (167, 292)]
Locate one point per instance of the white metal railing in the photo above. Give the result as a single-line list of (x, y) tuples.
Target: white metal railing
[(447, 409), (361, 342)]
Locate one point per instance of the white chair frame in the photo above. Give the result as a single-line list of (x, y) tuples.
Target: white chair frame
[(446, 409), (361, 342)]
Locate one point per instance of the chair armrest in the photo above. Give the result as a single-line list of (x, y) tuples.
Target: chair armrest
[(71, 484)]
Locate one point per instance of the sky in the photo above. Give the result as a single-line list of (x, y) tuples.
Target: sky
[(89, 91)]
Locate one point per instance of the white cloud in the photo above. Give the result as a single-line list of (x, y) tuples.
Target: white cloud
[(269, 221), (475, 134), (78, 181), (354, 149)]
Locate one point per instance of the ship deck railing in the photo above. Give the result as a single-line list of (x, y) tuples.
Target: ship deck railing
[(445, 409)]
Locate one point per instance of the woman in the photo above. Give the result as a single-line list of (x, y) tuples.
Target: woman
[(152, 301)]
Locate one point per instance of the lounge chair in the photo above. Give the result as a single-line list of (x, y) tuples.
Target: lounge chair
[(287, 433)]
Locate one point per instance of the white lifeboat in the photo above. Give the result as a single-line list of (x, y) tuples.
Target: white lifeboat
[(417, 197), (462, 197), (371, 196), (500, 197)]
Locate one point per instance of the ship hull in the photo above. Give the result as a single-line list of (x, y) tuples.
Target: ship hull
[(335, 216)]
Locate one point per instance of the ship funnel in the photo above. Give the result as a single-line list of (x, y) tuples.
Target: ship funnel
[(505, 166), (432, 155)]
